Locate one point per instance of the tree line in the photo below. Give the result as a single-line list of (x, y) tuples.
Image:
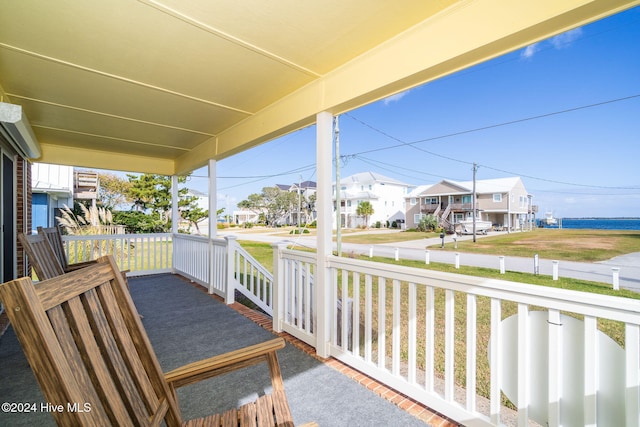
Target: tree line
[(142, 203)]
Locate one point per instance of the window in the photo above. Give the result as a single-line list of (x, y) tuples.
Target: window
[(466, 199), (417, 218), (497, 197), (370, 187), (412, 201)]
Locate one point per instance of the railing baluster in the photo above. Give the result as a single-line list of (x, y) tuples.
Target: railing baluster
[(344, 338), (632, 374), (430, 336), (495, 346), (299, 292), (412, 337), (356, 315), (382, 329), (368, 318), (524, 360), (590, 370), (307, 298), (471, 352), (449, 345), (395, 334), (555, 367)]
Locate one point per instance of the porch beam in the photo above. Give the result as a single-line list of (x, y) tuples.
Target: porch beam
[(324, 140)]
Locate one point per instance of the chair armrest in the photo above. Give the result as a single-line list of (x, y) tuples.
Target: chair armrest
[(217, 365), (79, 265), (83, 264)]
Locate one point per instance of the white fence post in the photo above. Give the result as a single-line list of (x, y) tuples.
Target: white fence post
[(555, 269), (616, 278), (370, 251), (229, 286), (502, 264), (457, 260), (278, 286), (426, 257), (397, 254)]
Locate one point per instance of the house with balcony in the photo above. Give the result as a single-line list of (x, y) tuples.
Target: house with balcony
[(504, 202), (305, 210), (385, 194), (170, 89)]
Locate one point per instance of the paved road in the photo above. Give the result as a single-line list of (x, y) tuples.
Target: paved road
[(629, 265)]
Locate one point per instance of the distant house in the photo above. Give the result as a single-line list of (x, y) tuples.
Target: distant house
[(306, 208), (385, 194), (52, 188), (504, 202)]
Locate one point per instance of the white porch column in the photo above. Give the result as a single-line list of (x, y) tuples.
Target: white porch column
[(175, 215), (324, 142), (213, 200)]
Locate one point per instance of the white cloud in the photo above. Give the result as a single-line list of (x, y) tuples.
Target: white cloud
[(394, 98), (530, 50), (561, 41), (564, 40)]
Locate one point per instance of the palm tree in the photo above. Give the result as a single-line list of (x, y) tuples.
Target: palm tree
[(366, 210)]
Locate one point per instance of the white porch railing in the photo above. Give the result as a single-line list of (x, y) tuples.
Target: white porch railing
[(220, 265), (443, 339), (140, 254), (446, 339)]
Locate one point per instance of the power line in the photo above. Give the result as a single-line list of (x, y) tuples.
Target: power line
[(412, 144)]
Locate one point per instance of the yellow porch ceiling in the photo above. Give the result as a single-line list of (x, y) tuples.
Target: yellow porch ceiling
[(162, 86)]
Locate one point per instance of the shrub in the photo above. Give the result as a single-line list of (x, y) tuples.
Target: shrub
[(378, 224), (298, 231)]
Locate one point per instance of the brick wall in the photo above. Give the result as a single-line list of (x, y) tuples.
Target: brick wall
[(23, 211)]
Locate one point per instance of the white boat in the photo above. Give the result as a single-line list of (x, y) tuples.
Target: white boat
[(549, 219), (466, 226)]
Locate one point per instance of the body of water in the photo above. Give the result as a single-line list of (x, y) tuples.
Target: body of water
[(601, 223)]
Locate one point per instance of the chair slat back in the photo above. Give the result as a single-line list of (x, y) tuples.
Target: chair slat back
[(88, 349), (41, 255), (55, 239)]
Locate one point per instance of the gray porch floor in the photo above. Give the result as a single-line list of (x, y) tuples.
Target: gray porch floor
[(185, 324)]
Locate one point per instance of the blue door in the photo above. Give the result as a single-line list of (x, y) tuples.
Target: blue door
[(40, 211)]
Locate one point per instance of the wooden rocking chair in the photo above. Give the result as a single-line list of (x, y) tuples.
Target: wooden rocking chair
[(41, 256), (55, 239), (87, 347)]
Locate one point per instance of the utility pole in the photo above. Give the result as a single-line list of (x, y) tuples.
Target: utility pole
[(473, 201), (338, 201), (299, 203)]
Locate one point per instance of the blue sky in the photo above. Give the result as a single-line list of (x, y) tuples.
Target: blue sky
[(563, 114)]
